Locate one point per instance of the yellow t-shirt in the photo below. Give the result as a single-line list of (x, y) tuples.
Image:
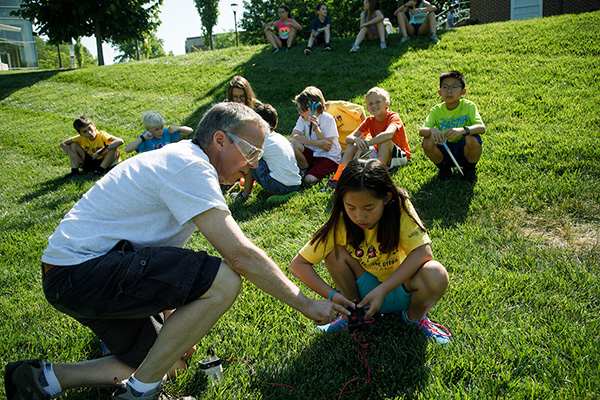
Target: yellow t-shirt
[(91, 146), (347, 118), (368, 253)]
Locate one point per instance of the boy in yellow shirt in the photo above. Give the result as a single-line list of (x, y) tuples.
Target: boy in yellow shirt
[(91, 150)]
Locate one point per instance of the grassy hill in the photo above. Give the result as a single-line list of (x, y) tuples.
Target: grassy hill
[(521, 244)]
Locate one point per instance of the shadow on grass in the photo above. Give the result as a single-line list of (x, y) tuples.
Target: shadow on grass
[(447, 202), (52, 185), (395, 359), (13, 82)]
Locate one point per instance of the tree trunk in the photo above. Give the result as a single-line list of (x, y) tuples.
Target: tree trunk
[(98, 34), (59, 57)]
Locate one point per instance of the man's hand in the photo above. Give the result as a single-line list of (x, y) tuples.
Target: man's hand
[(324, 311)]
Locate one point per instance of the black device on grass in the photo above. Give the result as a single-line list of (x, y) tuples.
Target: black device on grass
[(356, 320)]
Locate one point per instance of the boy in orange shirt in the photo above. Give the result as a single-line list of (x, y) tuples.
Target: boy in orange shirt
[(387, 139)]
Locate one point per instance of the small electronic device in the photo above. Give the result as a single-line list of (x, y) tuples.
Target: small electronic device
[(211, 366), (356, 320)]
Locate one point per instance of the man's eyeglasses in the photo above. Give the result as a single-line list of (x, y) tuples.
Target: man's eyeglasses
[(250, 152), (451, 88)]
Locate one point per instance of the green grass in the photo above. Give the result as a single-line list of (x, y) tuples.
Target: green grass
[(521, 245)]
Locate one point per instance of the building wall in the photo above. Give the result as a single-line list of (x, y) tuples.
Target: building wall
[(486, 11), (17, 49)]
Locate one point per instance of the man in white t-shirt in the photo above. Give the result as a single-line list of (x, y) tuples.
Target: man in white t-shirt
[(116, 262)]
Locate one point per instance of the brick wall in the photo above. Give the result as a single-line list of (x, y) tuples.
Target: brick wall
[(486, 11)]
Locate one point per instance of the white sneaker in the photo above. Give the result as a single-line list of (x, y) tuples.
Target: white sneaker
[(383, 45), (354, 48)]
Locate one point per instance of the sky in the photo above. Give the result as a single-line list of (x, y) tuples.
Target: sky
[(180, 20)]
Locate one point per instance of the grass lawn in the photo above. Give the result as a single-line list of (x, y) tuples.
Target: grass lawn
[(521, 244)]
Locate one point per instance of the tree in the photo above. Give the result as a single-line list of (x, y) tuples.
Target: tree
[(48, 55), (209, 13), (114, 20), (150, 47)]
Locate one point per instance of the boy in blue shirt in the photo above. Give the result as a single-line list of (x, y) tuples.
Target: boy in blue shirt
[(320, 29), (457, 122), (156, 135)]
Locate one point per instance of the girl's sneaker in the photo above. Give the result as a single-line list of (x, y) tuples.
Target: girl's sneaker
[(430, 329), (354, 48), (337, 325), (434, 38)]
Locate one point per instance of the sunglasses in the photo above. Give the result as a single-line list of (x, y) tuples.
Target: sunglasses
[(251, 153)]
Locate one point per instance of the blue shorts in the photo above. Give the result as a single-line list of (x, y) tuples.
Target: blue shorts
[(396, 301), (262, 175), (120, 296), (457, 150)]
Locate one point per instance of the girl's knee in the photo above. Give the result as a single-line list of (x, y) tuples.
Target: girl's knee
[(435, 276)]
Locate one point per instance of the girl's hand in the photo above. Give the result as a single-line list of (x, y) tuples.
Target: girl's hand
[(340, 299), (372, 302)]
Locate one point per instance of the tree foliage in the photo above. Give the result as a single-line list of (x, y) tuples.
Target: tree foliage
[(114, 20), (48, 55), (209, 13), (150, 47)]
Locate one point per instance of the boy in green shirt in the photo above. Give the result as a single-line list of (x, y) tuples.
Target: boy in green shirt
[(457, 123)]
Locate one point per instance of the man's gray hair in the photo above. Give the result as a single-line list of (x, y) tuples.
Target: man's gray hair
[(228, 117)]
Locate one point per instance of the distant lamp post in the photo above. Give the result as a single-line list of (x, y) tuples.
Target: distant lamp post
[(234, 7)]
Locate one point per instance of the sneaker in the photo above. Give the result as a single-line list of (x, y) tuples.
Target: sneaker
[(434, 38), (405, 39), (275, 51), (354, 48), (470, 174), (430, 329), (327, 47), (307, 50), (287, 49), (126, 392), (239, 196), (444, 173), (337, 325), (25, 380), (383, 45), (331, 184)]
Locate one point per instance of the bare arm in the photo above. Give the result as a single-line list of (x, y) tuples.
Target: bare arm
[(378, 18), (184, 130), (305, 271), (384, 136), (245, 258)]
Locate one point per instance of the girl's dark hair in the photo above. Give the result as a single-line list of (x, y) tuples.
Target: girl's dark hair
[(373, 5), (287, 9), (373, 176)]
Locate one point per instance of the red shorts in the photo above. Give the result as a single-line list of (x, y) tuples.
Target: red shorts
[(319, 167)]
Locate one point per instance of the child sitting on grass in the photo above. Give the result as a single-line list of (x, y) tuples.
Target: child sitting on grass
[(156, 135), (371, 25), (91, 150), (277, 170), (387, 135), (457, 122), (321, 29), (315, 137), (377, 251)]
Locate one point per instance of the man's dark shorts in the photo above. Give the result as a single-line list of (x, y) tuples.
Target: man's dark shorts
[(120, 296), (457, 150)]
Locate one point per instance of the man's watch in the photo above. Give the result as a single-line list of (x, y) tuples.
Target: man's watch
[(467, 130)]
